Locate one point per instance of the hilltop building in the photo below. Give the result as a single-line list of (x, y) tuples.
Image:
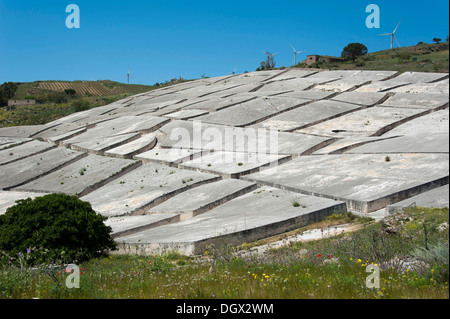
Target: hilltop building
[(310, 59)]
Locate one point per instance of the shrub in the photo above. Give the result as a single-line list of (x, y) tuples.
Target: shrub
[(353, 50), (55, 227), (57, 97), (70, 92), (80, 105), (403, 56)]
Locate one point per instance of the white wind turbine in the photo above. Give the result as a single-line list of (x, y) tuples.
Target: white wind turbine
[(295, 54), (393, 36), (129, 75)]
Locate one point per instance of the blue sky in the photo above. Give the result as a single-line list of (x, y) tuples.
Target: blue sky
[(161, 40)]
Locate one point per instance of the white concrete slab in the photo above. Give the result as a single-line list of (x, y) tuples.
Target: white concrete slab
[(9, 198), (244, 219), (144, 143), (307, 115), (435, 198), (82, 176), (169, 156), (28, 149), (411, 100), (127, 225), (234, 164), (142, 188), (366, 122), (366, 182), (252, 111), (186, 114), (360, 98), (33, 167), (203, 198)]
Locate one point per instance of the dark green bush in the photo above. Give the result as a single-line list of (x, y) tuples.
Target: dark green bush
[(70, 92), (80, 105), (55, 227)]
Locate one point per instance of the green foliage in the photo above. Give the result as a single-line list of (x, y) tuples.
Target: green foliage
[(70, 92), (317, 65), (403, 56), (80, 105), (57, 97), (52, 228), (354, 50), (329, 268), (7, 91)]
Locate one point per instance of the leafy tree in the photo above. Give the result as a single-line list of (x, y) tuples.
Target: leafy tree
[(7, 91), (437, 40), (55, 227), (262, 66), (353, 50)]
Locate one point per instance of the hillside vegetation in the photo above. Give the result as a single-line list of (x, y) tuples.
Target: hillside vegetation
[(423, 57), (57, 99), (410, 249), (39, 89)]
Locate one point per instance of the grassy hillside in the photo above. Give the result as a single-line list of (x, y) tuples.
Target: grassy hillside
[(419, 58), (413, 264), (82, 88), (47, 112), (53, 103)]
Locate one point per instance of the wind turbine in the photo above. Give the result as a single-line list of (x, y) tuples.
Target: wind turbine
[(129, 75), (234, 72), (295, 54), (393, 36)]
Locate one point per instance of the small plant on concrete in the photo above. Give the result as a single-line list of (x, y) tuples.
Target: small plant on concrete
[(297, 204), (387, 159)]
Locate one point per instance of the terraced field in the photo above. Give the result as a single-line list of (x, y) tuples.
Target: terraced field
[(90, 88)]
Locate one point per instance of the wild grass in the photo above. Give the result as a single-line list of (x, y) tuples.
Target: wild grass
[(328, 268)]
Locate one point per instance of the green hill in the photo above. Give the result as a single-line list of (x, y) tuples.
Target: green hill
[(423, 57)]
